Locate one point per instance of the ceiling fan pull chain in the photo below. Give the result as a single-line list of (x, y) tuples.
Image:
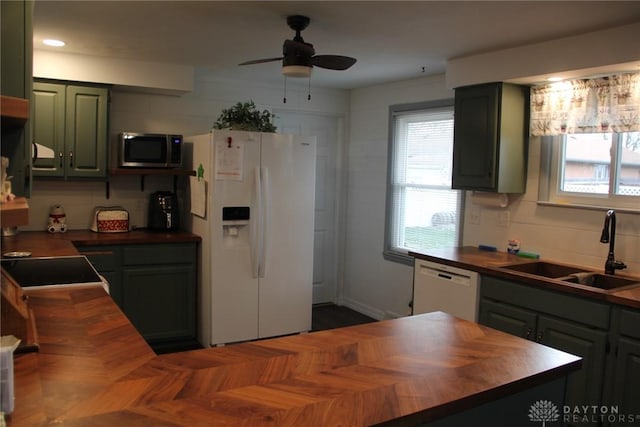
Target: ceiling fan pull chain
[(309, 92), (284, 100)]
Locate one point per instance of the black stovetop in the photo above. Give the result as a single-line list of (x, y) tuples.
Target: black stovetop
[(51, 271)]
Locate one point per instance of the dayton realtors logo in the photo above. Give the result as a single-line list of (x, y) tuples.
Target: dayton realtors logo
[(543, 411), (546, 411)]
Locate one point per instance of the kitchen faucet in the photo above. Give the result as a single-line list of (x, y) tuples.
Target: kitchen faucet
[(611, 265)]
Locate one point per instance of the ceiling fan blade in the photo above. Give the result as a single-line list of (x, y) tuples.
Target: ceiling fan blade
[(333, 62), (260, 61)]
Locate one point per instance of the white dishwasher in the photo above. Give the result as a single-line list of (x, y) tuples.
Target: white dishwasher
[(439, 287)]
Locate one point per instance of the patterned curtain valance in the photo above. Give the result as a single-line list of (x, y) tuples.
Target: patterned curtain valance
[(605, 104)]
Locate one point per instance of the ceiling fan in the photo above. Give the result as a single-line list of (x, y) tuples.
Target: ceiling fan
[(299, 57)]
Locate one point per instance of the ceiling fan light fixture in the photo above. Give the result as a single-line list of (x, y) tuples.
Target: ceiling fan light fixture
[(53, 42), (297, 71)]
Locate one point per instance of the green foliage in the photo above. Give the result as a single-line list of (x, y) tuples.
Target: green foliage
[(429, 237), (245, 116)]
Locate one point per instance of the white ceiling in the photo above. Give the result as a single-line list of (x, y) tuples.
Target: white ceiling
[(392, 40)]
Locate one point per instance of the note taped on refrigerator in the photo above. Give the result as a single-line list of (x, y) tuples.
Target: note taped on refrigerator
[(198, 188), (229, 160)]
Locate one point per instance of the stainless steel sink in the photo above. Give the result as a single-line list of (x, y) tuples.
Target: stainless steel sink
[(545, 269), (602, 281), (571, 274)]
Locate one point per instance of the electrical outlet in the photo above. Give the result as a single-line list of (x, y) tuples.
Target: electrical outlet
[(475, 216), (504, 219)]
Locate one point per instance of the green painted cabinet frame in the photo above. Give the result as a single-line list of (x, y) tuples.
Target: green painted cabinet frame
[(70, 130), (491, 138), (155, 286), (622, 384), (16, 69), (562, 321)]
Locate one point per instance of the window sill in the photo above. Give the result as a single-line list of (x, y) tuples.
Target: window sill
[(398, 257), (588, 207)]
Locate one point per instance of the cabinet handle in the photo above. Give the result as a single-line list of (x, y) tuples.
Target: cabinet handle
[(539, 337), (70, 159), (528, 334), (60, 156), (87, 253)]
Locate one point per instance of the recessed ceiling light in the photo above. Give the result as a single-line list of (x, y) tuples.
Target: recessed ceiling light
[(53, 42), (554, 79)]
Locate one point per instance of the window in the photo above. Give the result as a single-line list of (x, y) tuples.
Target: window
[(592, 169), (422, 211)]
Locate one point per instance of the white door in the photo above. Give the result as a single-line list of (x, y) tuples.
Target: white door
[(328, 132), (286, 275)]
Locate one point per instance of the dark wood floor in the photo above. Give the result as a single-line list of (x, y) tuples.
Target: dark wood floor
[(324, 316), (331, 316)]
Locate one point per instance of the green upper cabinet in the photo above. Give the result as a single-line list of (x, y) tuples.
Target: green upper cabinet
[(16, 35), (490, 138), (70, 130)]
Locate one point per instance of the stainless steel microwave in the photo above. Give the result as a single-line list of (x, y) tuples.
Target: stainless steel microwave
[(149, 150)]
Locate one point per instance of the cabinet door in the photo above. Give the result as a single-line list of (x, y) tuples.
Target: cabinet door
[(627, 376), (16, 40), (86, 131), (507, 318), (47, 147), (160, 300), (475, 137), (584, 387), (106, 261)]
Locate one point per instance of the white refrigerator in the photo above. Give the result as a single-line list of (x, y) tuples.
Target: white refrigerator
[(256, 265)]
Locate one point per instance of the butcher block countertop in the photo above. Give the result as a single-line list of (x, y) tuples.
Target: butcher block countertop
[(489, 263), (94, 369), (44, 244)]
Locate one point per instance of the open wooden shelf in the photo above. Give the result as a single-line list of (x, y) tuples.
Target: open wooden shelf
[(14, 213), (15, 111), (151, 171), (142, 172)]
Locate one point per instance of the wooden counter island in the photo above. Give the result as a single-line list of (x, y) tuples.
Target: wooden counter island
[(94, 369)]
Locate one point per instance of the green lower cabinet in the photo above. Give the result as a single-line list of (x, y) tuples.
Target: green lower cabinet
[(567, 323), (627, 375), (159, 302), (106, 260), (625, 363), (584, 387), (155, 286), (507, 318)]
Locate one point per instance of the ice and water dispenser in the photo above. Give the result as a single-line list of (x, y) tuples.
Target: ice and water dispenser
[(235, 221)]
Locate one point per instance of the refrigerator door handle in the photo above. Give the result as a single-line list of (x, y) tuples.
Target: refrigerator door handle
[(256, 237), (264, 232)]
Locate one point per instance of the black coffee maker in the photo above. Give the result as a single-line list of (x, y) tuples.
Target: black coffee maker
[(164, 213)]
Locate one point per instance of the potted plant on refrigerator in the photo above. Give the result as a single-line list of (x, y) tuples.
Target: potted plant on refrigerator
[(245, 116)]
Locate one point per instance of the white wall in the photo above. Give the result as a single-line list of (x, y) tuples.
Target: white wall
[(372, 285), (172, 79), (383, 288), (572, 57), (556, 233), (189, 114)]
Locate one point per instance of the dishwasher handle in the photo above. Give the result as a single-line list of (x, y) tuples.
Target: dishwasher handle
[(460, 278)]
